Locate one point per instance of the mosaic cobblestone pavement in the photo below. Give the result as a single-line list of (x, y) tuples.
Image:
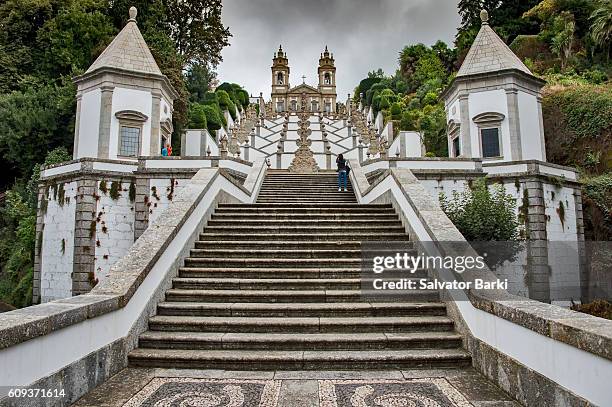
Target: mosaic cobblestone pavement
[(426, 392), (219, 388), (187, 392)]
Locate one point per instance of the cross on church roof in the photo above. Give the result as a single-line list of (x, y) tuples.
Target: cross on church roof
[(303, 78)]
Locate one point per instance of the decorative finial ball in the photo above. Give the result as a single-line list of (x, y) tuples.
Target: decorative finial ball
[(484, 16), (133, 13)]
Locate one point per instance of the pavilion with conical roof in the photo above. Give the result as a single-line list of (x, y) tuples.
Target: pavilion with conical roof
[(124, 102), (493, 105)]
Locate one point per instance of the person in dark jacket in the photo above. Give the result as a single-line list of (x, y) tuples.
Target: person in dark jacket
[(342, 172)]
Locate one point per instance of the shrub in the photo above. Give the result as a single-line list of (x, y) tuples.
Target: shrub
[(243, 98), (578, 125), (597, 206), (211, 98), (396, 111), (431, 98), (197, 116), (213, 118), (483, 214), (225, 103)]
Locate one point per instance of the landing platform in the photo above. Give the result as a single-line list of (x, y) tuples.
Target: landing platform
[(135, 387)]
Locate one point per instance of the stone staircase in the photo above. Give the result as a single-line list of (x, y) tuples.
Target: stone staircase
[(275, 286)]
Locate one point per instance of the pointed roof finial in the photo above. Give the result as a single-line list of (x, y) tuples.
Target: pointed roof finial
[(484, 17), (280, 47), (133, 13), (326, 48)]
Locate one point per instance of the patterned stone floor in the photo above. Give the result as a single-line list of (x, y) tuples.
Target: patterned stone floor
[(216, 388)]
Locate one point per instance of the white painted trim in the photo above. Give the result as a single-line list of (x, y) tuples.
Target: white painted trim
[(115, 167), (64, 169), (175, 164), (235, 165)]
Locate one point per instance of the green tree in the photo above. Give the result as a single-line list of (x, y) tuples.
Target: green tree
[(195, 27), (33, 122), (563, 40), (198, 80), (601, 26), (74, 37), (432, 127)]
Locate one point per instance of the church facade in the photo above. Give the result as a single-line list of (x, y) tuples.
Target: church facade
[(289, 99)]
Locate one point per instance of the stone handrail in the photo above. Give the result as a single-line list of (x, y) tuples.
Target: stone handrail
[(591, 337), (40, 341)]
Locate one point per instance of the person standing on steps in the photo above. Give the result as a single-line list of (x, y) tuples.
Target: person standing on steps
[(342, 172)]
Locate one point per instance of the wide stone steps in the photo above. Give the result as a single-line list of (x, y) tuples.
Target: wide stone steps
[(301, 325), (297, 253), (277, 235), (296, 309), (316, 207), (297, 217), (319, 295), (280, 273), (190, 283), (330, 189), (256, 262), (301, 229), (279, 253), (305, 209), (248, 245), (276, 285), (298, 341), (337, 223), (300, 360)]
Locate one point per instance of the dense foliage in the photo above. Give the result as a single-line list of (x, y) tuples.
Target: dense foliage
[(411, 97), (578, 126), (18, 235), (482, 213), (565, 42), (43, 44), (597, 207), (229, 97)]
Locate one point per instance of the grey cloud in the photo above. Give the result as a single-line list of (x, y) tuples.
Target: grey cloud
[(363, 35)]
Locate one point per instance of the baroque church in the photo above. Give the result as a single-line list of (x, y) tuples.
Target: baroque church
[(320, 99)]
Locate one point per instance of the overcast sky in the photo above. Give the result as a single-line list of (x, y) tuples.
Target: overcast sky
[(364, 35)]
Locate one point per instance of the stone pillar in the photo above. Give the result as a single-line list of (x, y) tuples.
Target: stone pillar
[(466, 141), (516, 149), (77, 125), (402, 144), (141, 205), (40, 228), (203, 143), (586, 282), (83, 271), (538, 270), (361, 147), (155, 145), (106, 108), (246, 152), (541, 124)]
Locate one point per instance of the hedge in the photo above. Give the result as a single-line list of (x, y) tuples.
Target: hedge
[(213, 118), (197, 116)]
